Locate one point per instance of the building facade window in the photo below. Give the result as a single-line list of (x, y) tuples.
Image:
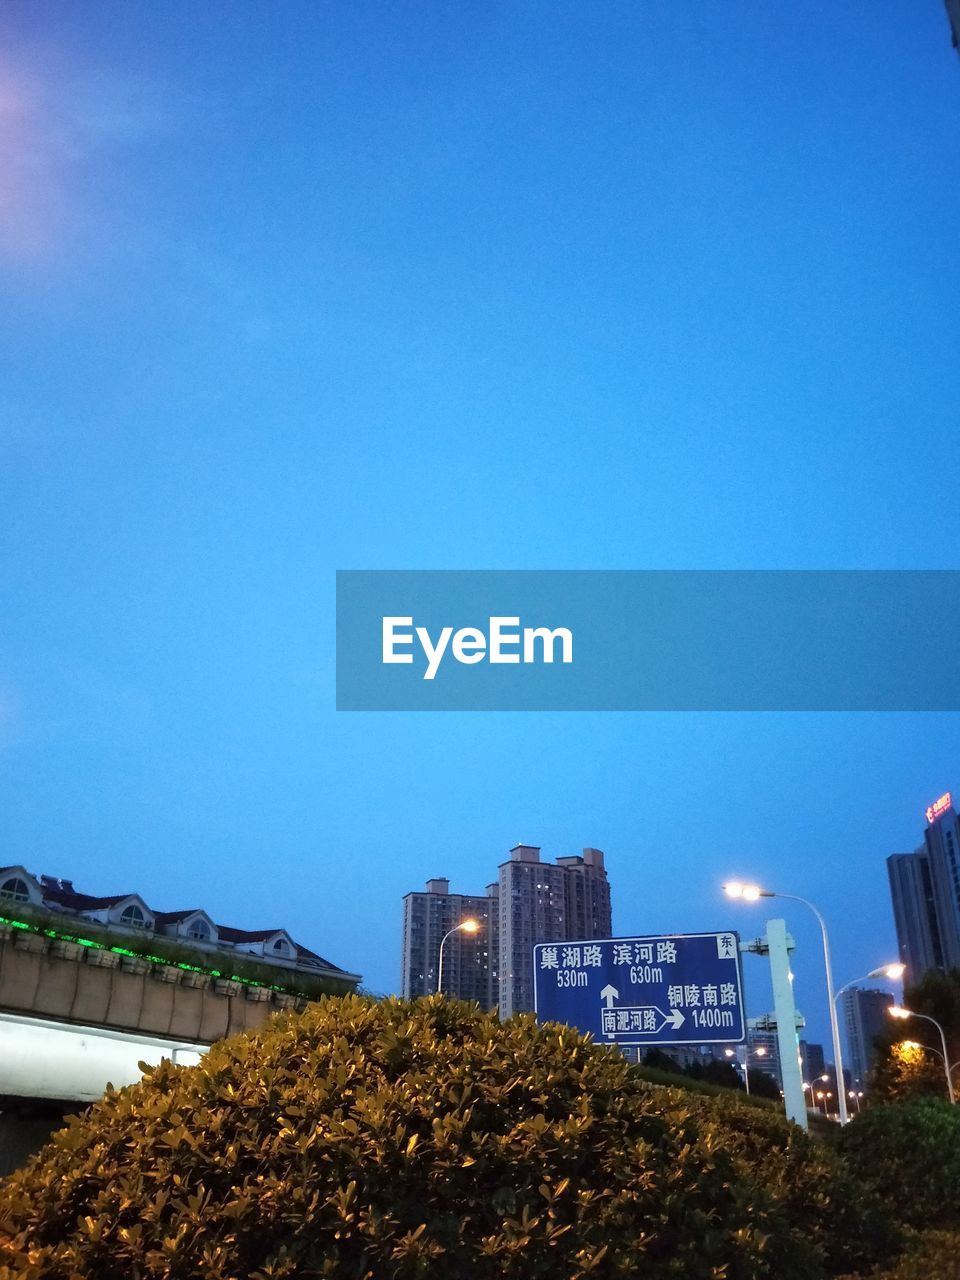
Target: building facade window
[(14, 890), (134, 917)]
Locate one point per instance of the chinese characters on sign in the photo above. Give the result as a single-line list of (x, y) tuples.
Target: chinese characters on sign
[(939, 807), (674, 989)]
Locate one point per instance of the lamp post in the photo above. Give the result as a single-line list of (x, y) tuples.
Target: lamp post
[(466, 926), (915, 1044), (750, 893), (892, 971), (856, 1097), (812, 1087), (759, 1052), (898, 1011)]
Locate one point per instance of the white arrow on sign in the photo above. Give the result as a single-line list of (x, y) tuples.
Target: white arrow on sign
[(610, 1028)]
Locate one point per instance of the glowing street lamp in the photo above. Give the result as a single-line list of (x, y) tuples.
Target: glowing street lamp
[(812, 1086), (915, 1046), (898, 1011), (753, 892), (894, 972), (759, 1052), (465, 926)]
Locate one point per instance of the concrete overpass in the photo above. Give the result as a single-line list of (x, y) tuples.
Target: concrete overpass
[(74, 1019)]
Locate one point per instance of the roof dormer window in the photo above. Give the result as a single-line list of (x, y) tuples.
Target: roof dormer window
[(281, 947), (15, 890), (133, 917), (200, 930)]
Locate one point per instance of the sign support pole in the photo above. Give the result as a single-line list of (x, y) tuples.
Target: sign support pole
[(786, 1014)]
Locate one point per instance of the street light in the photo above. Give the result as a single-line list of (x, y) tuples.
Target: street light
[(750, 893), (466, 926), (915, 1044), (856, 1097), (812, 1086), (898, 1011), (759, 1051), (892, 971)]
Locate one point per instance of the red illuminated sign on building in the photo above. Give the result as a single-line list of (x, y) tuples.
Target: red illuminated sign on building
[(939, 807)]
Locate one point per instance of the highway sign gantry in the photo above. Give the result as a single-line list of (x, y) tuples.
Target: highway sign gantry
[(678, 988)]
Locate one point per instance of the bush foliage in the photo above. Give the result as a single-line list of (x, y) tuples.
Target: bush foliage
[(931, 1255), (909, 1153), (392, 1140)]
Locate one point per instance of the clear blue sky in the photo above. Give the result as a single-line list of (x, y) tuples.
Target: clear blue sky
[(292, 288)]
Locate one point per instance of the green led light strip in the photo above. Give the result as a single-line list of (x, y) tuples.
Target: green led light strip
[(139, 955)]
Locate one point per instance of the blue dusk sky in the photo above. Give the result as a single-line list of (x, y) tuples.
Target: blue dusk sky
[(621, 284)]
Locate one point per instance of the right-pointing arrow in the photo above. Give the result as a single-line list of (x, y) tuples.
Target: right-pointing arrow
[(676, 1018)]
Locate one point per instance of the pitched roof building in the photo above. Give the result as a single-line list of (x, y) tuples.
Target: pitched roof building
[(129, 913)]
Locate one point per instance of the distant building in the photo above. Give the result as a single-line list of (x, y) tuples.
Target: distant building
[(469, 959), (133, 920), (925, 892), (762, 1053), (545, 902), (864, 1018), (941, 841), (812, 1061), (530, 902), (914, 912)]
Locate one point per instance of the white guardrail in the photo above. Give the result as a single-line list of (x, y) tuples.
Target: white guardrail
[(40, 1058)]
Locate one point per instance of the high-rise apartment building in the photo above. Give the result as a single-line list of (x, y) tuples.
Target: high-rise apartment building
[(941, 840), (914, 913), (864, 1018), (469, 959), (545, 902), (925, 890), (530, 902)]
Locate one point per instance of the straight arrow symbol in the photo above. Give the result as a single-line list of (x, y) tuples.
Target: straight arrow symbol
[(609, 994)]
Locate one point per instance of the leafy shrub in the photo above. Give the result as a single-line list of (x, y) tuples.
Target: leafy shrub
[(392, 1140), (909, 1154), (930, 1255), (848, 1228)]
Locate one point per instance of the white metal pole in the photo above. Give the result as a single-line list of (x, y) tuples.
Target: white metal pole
[(943, 1040), (834, 1023), (786, 1014), (440, 965)]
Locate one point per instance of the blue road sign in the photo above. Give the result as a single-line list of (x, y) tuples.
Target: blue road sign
[(678, 988)]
